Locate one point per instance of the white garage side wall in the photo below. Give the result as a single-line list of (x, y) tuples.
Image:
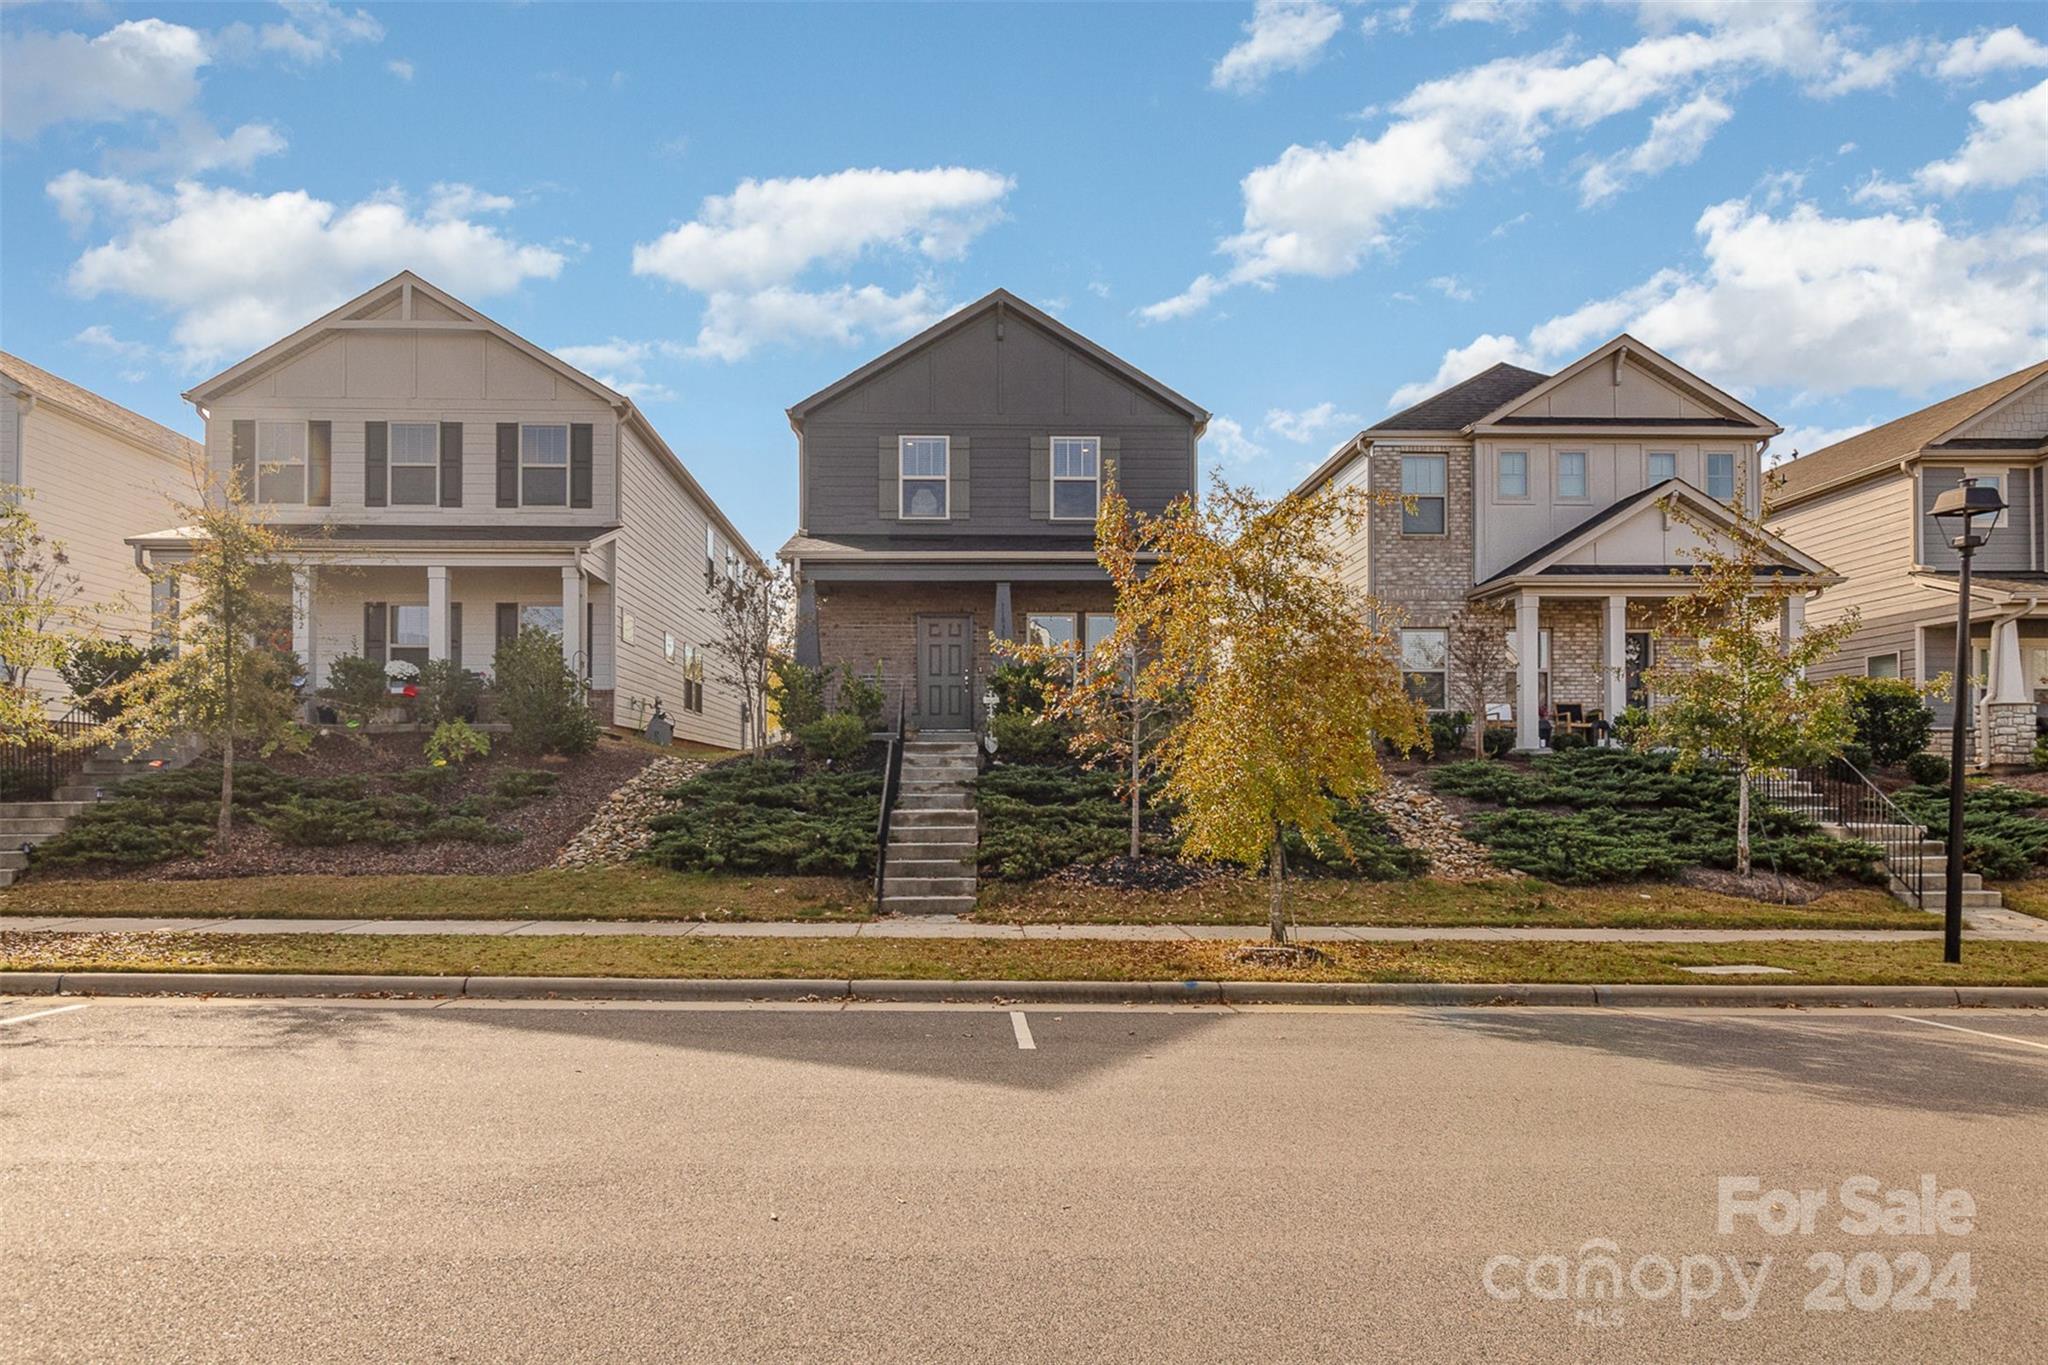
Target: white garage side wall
[(659, 583)]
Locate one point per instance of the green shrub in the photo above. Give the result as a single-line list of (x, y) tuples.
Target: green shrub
[(356, 688), (1892, 719), (2041, 753), (765, 817), (1499, 739), (1629, 724), (798, 693), (2004, 835), (541, 699), (1562, 741), (92, 666), (1854, 756), (455, 742), (448, 692), (1927, 770), (1021, 737), (837, 739), (1019, 688), (862, 697), (1447, 732)]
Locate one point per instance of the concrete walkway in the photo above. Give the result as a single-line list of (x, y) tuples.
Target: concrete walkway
[(1983, 925)]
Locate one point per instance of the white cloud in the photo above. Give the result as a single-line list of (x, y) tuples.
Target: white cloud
[(1805, 439), (80, 198), (2008, 143), (448, 200), (1989, 50), (1452, 288), (622, 365), (1816, 304), (1876, 189), (315, 31), (1283, 35), (746, 251), (1503, 229), (1309, 423), (1460, 364), (100, 337), (1872, 70), (1510, 12), (1320, 210), (239, 270), (1188, 302), (401, 68), (1226, 438), (1388, 19), (196, 146), (1677, 137), (143, 66)]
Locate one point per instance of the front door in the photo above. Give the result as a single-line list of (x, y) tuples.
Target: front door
[(1637, 646), (945, 672)]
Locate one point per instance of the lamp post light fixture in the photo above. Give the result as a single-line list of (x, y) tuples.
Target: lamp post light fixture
[(1958, 511)]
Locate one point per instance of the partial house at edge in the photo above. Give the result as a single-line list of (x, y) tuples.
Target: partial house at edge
[(1865, 505), (1551, 493), (93, 469), (455, 482), (947, 494)]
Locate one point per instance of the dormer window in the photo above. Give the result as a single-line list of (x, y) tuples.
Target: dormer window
[(923, 464)]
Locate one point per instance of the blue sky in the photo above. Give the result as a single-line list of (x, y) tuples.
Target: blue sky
[(1299, 214)]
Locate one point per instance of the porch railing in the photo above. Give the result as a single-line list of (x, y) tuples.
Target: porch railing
[(33, 769), (892, 775), (1840, 793)]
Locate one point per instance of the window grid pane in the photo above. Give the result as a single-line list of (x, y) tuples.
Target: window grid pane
[(544, 487), (1426, 520), (544, 445), (923, 457), (409, 625), (1663, 465), (415, 443), (281, 442), (924, 499), (1049, 628), (1571, 474), (1073, 499), (547, 618), (1721, 476), (281, 483), (1075, 457), (1514, 474), (1097, 627), (415, 485), (1422, 475)]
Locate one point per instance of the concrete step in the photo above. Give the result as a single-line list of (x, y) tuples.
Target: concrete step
[(34, 810), (926, 905), (950, 771), (955, 817), (7, 876), (930, 867), (933, 850), (922, 801), (1932, 871), (1934, 899), (12, 826), (14, 858), (926, 886), (84, 793)]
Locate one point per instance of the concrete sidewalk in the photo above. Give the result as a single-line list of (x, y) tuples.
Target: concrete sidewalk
[(1984, 925)]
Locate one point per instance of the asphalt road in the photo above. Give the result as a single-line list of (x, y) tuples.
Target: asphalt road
[(317, 1181)]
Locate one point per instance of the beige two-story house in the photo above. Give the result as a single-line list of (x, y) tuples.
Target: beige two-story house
[(1555, 493), (1864, 505), (455, 482), (91, 469)]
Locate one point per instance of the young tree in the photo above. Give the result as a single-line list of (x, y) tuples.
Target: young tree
[(1735, 690), (754, 617), (43, 611), (1290, 677), (1479, 662), (229, 680)]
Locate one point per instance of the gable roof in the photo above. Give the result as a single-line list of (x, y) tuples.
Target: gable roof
[(1625, 347), (1465, 402), (1900, 439), (94, 408), (990, 302)]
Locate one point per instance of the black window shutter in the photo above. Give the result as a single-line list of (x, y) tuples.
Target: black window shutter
[(508, 623), (374, 616), (451, 464), (455, 632), (319, 464), (243, 457), (508, 464), (376, 461), (579, 464)]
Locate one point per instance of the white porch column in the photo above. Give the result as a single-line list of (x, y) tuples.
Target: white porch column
[(1528, 645), (437, 611), (1792, 618), (302, 619), (1616, 640), (2009, 684), (572, 618)]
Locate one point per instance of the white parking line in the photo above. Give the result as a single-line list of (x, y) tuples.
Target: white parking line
[(1023, 1032), (40, 1014), (2001, 1037)]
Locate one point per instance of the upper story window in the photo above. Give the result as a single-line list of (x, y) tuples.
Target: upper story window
[(922, 467), (280, 461), (1721, 475), (1571, 474), (544, 466), (1076, 477), (415, 464), (1663, 465), (1422, 495), (1513, 478), (1993, 479)]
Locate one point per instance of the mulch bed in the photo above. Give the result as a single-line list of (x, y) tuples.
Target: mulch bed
[(545, 824)]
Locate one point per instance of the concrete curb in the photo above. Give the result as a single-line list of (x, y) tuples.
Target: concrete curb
[(276, 984)]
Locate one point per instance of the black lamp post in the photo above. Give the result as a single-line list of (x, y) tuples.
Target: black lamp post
[(1957, 510)]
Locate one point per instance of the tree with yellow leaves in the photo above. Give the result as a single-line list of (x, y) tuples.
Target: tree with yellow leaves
[(1289, 678)]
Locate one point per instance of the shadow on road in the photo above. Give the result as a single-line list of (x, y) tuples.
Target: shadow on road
[(1854, 1060)]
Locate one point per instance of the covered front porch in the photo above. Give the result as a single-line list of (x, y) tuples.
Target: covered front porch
[(2008, 663)]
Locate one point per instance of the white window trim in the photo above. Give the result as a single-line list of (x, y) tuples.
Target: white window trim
[(1053, 500), (1500, 469), (568, 462), (1585, 493), (434, 499), (945, 478), (1898, 663), (1707, 459), (1982, 472), (1443, 459), (305, 461), (1651, 480)]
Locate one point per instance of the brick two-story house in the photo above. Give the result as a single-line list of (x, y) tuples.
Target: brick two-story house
[(455, 482), (947, 493), (1551, 493)]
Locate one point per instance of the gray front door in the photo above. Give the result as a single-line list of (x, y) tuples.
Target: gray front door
[(945, 672)]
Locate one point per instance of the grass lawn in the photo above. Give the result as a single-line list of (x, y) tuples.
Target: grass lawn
[(446, 954), (1507, 901), (2029, 897), (605, 893)]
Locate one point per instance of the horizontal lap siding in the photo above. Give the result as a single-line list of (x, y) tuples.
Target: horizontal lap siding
[(1865, 534)]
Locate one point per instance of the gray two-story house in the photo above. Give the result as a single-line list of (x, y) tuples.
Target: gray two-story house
[(947, 492)]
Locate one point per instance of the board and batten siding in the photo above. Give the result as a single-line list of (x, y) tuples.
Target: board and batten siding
[(1865, 534), (473, 378)]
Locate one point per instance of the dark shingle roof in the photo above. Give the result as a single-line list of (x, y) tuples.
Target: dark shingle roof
[(1464, 402)]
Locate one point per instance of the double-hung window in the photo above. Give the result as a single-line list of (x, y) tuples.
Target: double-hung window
[(1076, 477), (281, 462), (1096, 628), (415, 459), (1663, 466), (1512, 480), (546, 616), (1721, 476), (1571, 475), (923, 464), (1049, 629), (409, 634), (1422, 495), (543, 466), (1993, 479), (1425, 666)]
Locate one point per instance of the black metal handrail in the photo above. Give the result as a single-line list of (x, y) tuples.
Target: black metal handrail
[(33, 768), (892, 774), (1840, 792)]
